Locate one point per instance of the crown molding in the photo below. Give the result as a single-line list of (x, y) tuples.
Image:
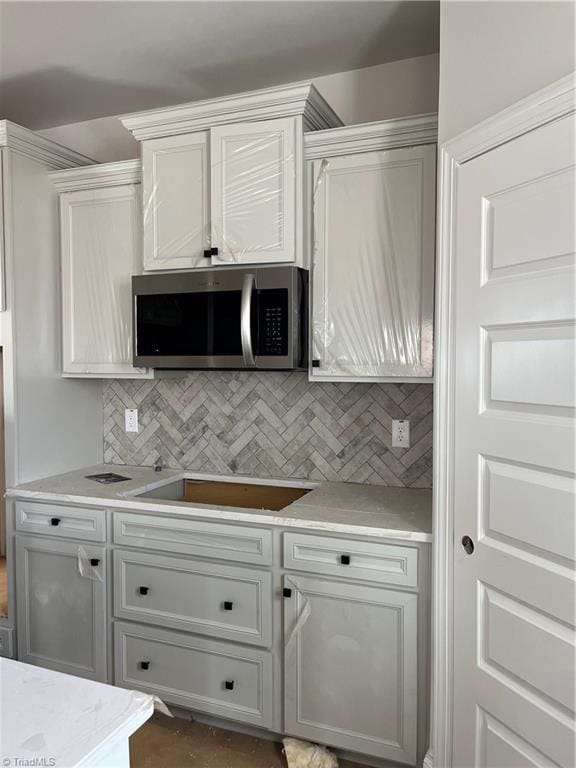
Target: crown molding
[(29, 143), (553, 102), (300, 99), (98, 176), (372, 137)]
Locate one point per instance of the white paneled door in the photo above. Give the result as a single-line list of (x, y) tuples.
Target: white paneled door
[(514, 596)]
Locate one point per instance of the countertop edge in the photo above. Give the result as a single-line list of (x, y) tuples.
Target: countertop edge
[(225, 514)]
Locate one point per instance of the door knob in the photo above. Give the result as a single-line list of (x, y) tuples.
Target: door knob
[(467, 544)]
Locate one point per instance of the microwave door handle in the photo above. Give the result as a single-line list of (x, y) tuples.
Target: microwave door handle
[(245, 313)]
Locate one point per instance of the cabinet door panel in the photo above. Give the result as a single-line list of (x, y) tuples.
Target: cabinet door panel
[(175, 190), (253, 191), (61, 601), (351, 667), (101, 250), (373, 277)]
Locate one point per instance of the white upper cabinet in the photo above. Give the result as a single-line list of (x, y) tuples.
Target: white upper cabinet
[(223, 178), (176, 205), (373, 264), (253, 191), (101, 231)]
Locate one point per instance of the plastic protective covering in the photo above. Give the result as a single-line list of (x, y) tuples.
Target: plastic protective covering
[(302, 754), (101, 249), (247, 173), (373, 264)]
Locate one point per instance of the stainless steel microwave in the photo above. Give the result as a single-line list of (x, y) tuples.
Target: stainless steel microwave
[(222, 318)]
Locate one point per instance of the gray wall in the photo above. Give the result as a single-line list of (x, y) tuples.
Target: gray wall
[(273, 425), (401, 88), (493, 54)]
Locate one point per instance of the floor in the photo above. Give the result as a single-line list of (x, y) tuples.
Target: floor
[(165, 742), (3, 588)]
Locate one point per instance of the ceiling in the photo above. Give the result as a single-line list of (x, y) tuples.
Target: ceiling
[(63, 62)]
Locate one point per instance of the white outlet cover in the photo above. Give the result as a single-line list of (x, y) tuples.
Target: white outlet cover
[(131, 419), (400, 433)]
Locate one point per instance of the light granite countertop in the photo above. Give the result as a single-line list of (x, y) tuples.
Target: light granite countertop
[(370, 510)]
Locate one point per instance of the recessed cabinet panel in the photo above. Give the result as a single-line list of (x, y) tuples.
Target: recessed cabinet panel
[(224, 601), (373, 274), (221, 679), (176, 201), (61, 601), (101, 250), (351, 667), (253, 191)]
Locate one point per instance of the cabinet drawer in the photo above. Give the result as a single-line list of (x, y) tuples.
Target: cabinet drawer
[(84, 523), (209, 676), (226, 601), (367, 560), (194, 537)]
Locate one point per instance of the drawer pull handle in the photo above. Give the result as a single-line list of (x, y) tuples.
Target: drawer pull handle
[(54, 521), (345, 559), (94, 561), (287, 592), (143, 590), (228, 605), (144, 665), (229, 685)]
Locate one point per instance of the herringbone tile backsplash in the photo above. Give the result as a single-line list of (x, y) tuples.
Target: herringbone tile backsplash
[(272, 425)]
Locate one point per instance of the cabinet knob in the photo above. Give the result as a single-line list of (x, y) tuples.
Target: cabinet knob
[(143, 590), (54, 521), (228, 605), (94, 561), (144, 665), (207, 253), (468, 544), (229, 685), (345, 559), (315, 363), (287, 592)]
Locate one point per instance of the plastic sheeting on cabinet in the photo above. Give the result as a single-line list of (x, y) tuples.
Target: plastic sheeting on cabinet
[(373, 264), (224, 196)]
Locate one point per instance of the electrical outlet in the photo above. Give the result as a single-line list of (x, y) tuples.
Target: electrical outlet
[(131, 419), (400, 433)]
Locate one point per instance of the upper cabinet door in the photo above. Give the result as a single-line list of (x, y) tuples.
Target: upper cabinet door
[(253, 193), (373, 274), (101, 250), (176, 201)]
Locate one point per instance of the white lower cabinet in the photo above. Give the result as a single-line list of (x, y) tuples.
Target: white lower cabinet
[(217, 678), (198, 622), (61, 605), (351, 666)]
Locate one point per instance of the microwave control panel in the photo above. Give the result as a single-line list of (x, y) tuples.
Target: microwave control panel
[(273, 322)]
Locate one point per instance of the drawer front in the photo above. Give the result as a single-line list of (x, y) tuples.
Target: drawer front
[(85, 523), (194, 537), (366, 560), (205, 675), (214, 599)]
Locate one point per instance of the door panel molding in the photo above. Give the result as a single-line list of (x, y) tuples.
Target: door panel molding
[(546, 105)]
